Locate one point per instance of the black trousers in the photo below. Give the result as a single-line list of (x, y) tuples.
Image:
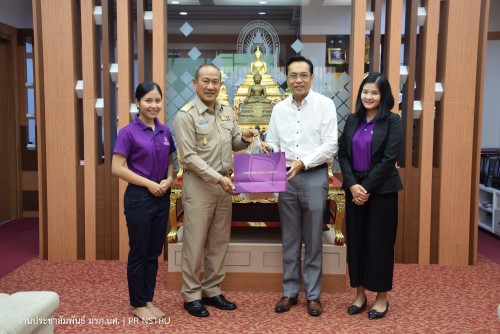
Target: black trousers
[(147, 220), (371, 234)]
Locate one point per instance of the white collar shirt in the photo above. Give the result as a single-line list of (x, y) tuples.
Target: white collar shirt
[(307, 132)]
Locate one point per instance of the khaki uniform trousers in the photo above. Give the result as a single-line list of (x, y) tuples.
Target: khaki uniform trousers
[(207, 229)]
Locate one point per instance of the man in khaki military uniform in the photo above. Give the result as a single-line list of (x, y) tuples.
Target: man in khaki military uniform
[(206, 134)]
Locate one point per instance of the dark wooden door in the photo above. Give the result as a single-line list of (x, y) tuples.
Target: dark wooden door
[(7, 127)]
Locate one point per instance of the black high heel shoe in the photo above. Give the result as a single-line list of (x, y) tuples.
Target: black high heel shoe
[(374, 314), (353, 309)]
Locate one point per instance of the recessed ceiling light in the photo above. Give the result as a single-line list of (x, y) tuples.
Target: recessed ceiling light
[(175, 2), (183, 13), (262, 2), (262, 13)]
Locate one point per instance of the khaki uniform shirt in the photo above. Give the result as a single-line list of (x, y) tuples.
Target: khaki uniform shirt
[(206, 140)]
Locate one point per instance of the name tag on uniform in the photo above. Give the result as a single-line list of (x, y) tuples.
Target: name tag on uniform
[(203, 121)]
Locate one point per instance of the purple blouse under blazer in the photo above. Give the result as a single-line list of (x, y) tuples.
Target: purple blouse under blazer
[(361, 146), (147, 151)]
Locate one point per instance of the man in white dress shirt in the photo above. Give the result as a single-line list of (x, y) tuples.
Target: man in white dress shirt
[(304, 126)]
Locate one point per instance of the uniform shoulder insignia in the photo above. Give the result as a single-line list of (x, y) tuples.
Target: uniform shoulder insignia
[(188, 106)]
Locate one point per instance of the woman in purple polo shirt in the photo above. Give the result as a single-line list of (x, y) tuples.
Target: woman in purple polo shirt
[(368, 149), (143, 157)]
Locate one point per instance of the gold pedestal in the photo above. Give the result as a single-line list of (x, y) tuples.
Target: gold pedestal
[(255, 112)]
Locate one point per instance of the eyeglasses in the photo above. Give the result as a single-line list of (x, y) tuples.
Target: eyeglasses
[(303, 76), (207, 82)]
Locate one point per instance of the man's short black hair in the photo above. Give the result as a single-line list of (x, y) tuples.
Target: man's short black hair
[(297, 59)]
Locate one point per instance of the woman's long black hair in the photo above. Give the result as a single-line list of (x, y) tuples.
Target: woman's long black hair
[(145, 87), (386, 97)]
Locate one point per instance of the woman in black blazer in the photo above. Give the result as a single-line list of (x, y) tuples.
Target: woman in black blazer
[(368, 149)]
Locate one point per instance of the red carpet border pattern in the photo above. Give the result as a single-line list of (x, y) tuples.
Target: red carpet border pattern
[(425, 299)]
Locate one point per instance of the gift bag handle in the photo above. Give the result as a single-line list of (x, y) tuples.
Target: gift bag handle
[(254, 139), (251, 145)]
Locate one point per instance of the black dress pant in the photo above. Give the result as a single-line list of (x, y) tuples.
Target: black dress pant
[(147, 219), (371, 234)]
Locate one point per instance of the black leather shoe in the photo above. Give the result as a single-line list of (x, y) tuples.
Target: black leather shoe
[(196, 308), (219, 302), (374, 314), (353, 309)]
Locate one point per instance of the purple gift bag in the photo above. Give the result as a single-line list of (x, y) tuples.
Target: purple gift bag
[(255, 173)]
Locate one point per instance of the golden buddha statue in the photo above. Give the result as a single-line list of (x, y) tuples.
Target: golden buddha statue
[(256, 106), (258, 65), (257, 92), (271, 90), (222, 97)]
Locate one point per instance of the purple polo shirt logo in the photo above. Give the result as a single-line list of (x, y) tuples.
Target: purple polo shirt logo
[(165, 141)]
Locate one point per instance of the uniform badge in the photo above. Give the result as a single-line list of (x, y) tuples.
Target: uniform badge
[(224, 119)]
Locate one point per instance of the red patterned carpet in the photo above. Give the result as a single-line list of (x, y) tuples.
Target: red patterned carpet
[(426, 299)]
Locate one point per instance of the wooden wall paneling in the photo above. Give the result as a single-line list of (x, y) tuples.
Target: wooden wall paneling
[(90, 75), (60, 122), (478, 121), (459, 56), (434, 239), (399, 246), (410, 219), (104, 228), (8, 127), (427, 80), (159, 58), (392, 44), (141, 41), (390, 67), (109, 121), (438, 120), (10, 186), (159, 50), (376, 8), (29, 180), (80, 208), (18, 102), (125, 94), (79, 134), (40, 132), (357, 48)]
